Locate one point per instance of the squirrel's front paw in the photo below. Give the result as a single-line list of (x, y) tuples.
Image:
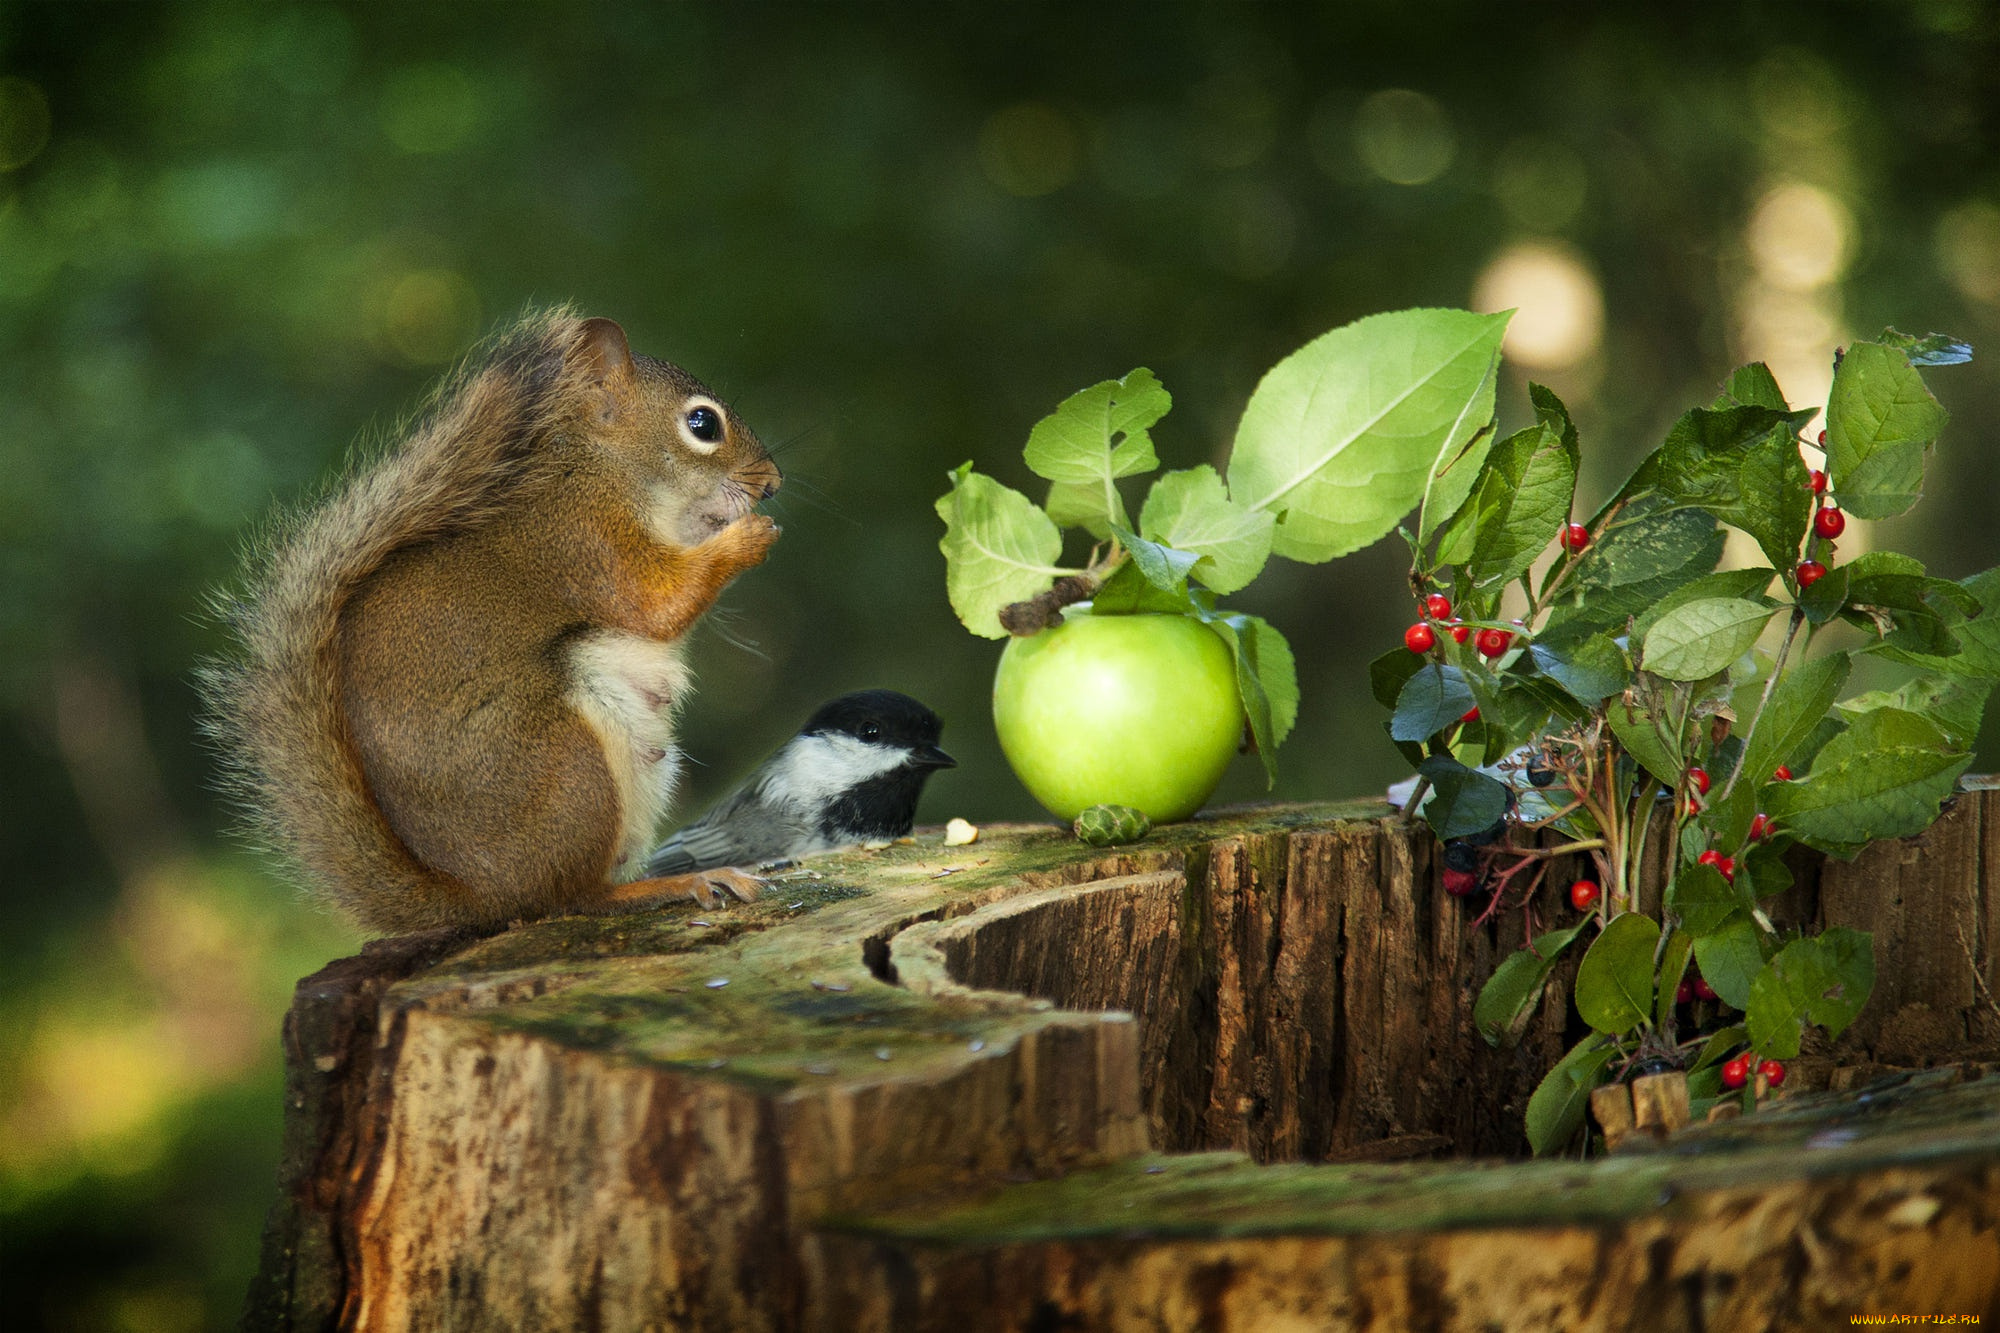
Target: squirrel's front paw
[(751, 537)]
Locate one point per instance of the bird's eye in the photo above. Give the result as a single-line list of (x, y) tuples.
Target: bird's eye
[(870, 732), (705, 424)]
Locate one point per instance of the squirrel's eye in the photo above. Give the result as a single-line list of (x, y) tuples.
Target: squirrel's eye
[(869, 731), (705, 424)]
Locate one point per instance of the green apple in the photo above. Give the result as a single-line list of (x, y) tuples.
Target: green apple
[(1127, 710)]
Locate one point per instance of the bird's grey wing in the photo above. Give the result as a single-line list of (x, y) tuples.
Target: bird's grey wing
[(740, 832)]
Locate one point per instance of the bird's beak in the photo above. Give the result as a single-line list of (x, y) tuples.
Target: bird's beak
[(929, 756)]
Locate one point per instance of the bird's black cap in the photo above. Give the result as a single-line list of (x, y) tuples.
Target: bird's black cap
[(884, 717)]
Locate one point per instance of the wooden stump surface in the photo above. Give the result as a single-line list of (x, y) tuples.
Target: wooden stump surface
[(1028, 1084)]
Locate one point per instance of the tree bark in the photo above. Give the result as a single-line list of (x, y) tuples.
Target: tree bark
[(919, 1087)]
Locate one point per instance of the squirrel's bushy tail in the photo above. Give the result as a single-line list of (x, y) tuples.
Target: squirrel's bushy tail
[(274, 704)]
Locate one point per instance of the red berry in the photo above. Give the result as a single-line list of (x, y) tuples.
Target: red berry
[(1583, 894), (1760, 826), (1575, 537), (1710, 857), (1735, 1073), (1817, 480), (1418, 638), (1822, 439), (1684, 993), (1698, 778), (1811, 571), (1703, 990), (1493, 642), (1773, 1072), (1438, 606), (1829, 522), (1460, 633), (1458, 883), (1727, 868), (1781, 774), (1470, 715)]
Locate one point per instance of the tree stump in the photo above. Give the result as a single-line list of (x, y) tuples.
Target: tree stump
[(1028, 1084)]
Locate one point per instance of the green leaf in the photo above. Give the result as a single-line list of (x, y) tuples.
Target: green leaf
[(1644, 553), (1163, 567), (1880, 424), (1614, 983), (1523, 499), (1720, 1044), (1590, 670), (1099, 434), (1343, 436), (1883, 777), (1753, 386), (1511, 993), (1463, 800), (1702, 899), (999, 548), (1701, 638), (1978, 639), (1639, 732), (1673, 966), (1190, 511), (1731, 956), (1931, 349), (1388, 674), (1747, 584), (1824, 598), (1742, 464), (1083, 504), (1556, 1108), (1266, 678), (1434, 697), (1956, 704), (1800, 700), (1129, 592), (1824, 980)]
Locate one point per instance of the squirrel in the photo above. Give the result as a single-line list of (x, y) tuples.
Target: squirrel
[(451, 701)]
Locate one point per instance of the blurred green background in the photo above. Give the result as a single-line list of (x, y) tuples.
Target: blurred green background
[(236, 238)]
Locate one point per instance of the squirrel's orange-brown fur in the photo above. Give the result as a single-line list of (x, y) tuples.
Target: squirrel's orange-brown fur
[(451, 704)]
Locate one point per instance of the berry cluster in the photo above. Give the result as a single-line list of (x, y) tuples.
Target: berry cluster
[(1828, 522)]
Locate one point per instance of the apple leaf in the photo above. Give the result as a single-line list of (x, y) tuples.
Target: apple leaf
[(1700, 638), (1343, 436), (1094, 437), (1163, 566), (999, 548), (1266, 679), (1191, 511), (1880, 423), (1086, 505)]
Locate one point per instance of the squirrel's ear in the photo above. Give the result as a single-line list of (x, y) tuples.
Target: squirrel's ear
[(602, 346)]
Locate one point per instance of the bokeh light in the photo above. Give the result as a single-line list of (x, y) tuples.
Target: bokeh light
[(1405, 137), (1559, 304)]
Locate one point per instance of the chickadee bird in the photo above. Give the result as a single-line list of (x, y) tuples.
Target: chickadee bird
[(852, 774)]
